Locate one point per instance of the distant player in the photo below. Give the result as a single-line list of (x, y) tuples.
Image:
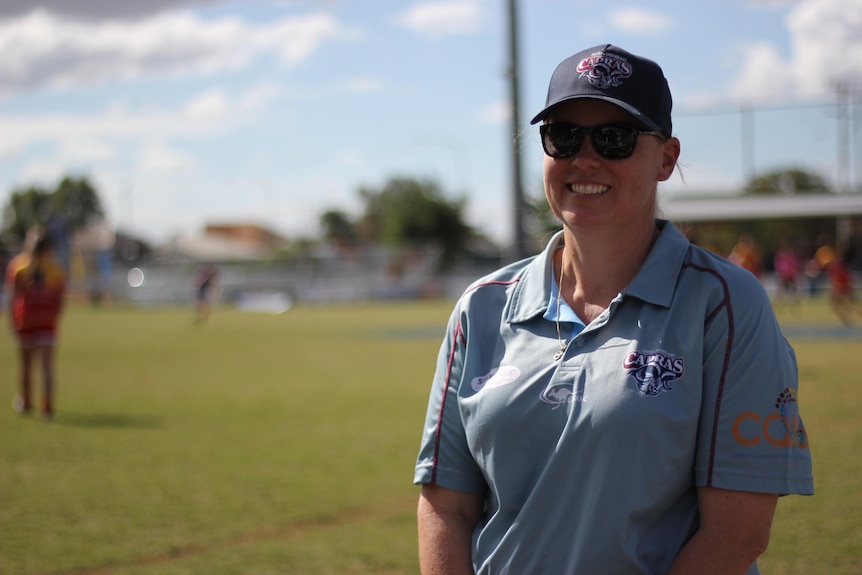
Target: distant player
[(841, 294), (35, 285), (787, 269), (205, 292)]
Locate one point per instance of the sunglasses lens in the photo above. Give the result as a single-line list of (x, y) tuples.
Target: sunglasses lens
[(615, 142), (561, 140), (611, 141)]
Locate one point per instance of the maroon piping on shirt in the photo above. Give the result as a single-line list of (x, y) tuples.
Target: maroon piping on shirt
[(724, 304)]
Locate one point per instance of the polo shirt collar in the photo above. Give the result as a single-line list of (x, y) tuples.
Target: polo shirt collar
[(655, 282), (531, 293), (657, 279)]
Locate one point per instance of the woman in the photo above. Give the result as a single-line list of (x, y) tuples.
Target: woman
[(623, 402), (35, 285)]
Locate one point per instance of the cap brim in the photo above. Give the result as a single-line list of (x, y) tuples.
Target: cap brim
[(630, 109)]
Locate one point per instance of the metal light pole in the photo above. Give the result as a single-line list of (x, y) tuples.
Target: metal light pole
[(519, 249)]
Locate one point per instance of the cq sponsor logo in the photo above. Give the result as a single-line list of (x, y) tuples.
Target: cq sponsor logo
[(782, 428)]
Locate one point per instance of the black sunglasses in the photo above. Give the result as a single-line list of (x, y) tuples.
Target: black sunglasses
[(611, 141)]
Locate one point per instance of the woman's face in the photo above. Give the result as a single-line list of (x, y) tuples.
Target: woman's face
[(587, 191)]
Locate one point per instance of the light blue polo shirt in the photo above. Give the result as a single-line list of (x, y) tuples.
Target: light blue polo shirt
[(591, 463)]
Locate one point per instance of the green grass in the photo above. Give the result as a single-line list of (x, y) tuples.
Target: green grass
[(264, 444)]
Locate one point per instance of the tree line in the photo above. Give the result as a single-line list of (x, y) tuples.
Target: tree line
[(403, 213), (71, 206)]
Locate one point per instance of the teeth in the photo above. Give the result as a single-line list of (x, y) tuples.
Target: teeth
[(589, 190)]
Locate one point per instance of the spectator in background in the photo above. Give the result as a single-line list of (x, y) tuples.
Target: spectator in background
[(746, 254), (35, 286), (787, 268), (205, 292), (841, 296)]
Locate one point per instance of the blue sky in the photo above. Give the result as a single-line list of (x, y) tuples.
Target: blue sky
[(271, 112)]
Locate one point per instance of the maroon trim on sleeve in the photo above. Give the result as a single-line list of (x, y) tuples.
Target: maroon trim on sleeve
[(457, 336), (728, 308)]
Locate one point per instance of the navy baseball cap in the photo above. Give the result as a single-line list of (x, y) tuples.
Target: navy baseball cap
[(611, 74)]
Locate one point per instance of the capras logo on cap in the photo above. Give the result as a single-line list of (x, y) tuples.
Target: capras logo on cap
[(605, 70)]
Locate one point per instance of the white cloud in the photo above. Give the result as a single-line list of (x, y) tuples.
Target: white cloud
[(764, 76), (84, 140), (351, 159), (442, 18), (71, 156), (635, 20), (64, 130), (258, 97), (364, 85), (827, 44), (826, 41), (95, 9), (210, 105), (496, 113), (86, 151), (43, 171), (158, 157), (43, 50)]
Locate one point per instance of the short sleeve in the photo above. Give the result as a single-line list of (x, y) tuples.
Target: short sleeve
[(751, 435), (444, 456)]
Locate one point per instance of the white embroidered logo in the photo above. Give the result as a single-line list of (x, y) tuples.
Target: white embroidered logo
[(605, 70), (562, 394), (498, 376)]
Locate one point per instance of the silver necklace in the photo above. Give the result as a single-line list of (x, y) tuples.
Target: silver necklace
[(563, 346)]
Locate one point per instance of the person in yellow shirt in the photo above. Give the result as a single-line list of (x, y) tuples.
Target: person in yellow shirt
[(35, 286), (746, 255)]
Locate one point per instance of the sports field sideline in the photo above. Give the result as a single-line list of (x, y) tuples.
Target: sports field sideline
[(268, 444)]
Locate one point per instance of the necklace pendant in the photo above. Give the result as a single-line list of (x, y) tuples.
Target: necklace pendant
[(559, 354)]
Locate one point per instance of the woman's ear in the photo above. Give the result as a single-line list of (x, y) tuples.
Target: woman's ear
[(669, 156)]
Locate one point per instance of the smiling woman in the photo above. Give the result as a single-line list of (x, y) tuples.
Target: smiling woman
[(615, 363)]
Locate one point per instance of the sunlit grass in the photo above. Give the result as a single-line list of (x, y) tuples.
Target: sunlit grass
[(263, 444)]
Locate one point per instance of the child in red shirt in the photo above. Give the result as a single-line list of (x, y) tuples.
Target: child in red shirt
[(35, 286)]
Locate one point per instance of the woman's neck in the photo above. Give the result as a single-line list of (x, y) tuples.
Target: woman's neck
[(597, 267)]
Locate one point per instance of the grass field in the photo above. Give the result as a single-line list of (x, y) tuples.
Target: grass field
[(264, 444)]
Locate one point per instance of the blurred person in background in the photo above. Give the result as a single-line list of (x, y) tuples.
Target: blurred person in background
[(35, 286), (624, 402), (206, 290), (842, 297), (747, 255), (788, 266)]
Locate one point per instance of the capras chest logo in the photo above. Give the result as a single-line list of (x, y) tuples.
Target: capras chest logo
[(605, 70), (654, 370)]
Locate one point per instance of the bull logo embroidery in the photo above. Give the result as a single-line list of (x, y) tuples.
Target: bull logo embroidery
[(605, 70), (654, 370)]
